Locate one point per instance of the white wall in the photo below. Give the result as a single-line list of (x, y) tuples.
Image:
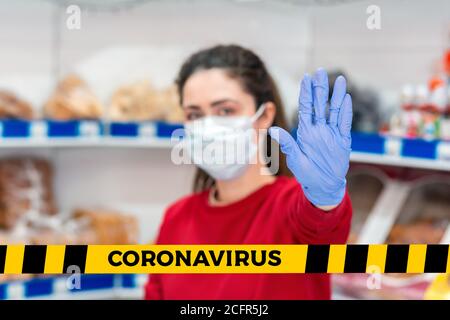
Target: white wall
[(292, 39)]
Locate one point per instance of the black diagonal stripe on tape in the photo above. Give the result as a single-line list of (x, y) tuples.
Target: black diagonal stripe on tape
[(436, 258), (356, 258), (317, 258), (34, 259), (75, 259), (2, 258), (396, 258)]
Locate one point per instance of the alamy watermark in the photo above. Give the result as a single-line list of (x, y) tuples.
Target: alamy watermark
[(73, 21), (373, 21), (374, 279), (73, 282)]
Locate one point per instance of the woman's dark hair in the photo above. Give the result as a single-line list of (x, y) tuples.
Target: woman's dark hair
[(245, 66)]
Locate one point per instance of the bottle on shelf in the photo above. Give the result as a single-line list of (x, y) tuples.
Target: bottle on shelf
[(432, 104), (410, 116)]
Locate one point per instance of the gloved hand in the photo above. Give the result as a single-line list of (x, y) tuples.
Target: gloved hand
[(319, 159)]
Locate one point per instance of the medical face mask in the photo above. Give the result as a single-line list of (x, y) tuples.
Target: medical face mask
[(222, 146)]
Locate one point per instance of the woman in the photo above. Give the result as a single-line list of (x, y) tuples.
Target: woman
[(226, 88)]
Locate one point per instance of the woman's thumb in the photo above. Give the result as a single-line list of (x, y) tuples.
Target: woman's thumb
[(284, 139)]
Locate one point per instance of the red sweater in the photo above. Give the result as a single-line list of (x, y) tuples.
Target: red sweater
[(277, 213)]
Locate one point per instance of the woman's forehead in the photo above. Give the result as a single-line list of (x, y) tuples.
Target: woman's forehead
[(207, 86)]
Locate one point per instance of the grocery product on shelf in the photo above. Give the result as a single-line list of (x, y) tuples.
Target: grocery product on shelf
[(424, 111), (28, 211), (140, 101), (73, 99), (425, 215), (426, 231), (109, 227), (13, 107), (25, 189), (433, 110), (411, 115), (134, 103), (85, 226)]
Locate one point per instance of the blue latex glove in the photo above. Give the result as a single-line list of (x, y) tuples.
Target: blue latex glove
[(319, 159)]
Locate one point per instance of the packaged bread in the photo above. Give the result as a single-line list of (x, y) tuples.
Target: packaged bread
[(110, 227), (73, 99), (420, 231), (26, 188), (425, 215), (13, 107), (136, 102), (140, 101)]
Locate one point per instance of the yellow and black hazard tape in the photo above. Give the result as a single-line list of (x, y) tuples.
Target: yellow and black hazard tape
[(58, 259)]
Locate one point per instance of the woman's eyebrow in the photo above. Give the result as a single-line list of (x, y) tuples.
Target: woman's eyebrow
[(192, 106), (218, 102)]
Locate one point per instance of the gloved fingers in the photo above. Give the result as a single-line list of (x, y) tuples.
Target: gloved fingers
[(337, 98), (287, 143), (305, 100), (345, 119), (320, 94)]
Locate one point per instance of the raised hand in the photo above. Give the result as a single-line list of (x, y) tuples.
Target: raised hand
[(319, 158)]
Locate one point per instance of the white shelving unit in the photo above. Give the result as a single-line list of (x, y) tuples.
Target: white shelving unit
[(106, 142), (398, 161), (100, 142)]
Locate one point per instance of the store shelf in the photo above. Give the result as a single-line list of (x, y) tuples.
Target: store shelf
[(367, 148), (75, 134), (107, 286), (390, 160), (100, 142), (403, 152), (51, 129)]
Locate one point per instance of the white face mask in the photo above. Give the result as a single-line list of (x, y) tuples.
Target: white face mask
[(222, 146)]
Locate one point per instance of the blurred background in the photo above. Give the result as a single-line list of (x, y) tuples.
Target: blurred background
[(87, 106)]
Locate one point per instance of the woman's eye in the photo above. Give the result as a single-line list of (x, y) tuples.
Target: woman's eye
[(193, 116), (226, 112)]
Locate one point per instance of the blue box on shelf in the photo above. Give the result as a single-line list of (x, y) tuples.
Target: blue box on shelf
[(165, 129), (15, 128), (368, 142), (419, 148), (3, 288), (60, 129), (38, 287), (128, 281), (124, 129)]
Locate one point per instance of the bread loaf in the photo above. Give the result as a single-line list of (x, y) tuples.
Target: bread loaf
[(12, 107), (73, 99)]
